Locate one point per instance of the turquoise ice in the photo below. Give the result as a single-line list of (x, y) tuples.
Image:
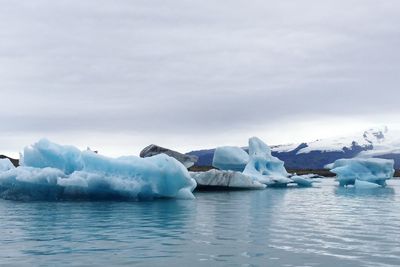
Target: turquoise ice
[(264, 167), (363, 172), (51, 172)]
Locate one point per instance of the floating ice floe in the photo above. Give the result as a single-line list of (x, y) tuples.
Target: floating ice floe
[(230, 158), (363, 172), (53, 172), (217, 179)]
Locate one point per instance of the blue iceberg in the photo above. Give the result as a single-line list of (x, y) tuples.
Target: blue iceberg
[(50, 171), (264, 167), (363, 172), (258, 165), (230, 158)]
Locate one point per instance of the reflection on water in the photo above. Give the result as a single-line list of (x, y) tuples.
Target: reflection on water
[(351, 191), (324, 226)]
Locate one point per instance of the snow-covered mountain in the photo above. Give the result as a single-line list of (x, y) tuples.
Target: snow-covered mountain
[(367, 140), (374, 142)]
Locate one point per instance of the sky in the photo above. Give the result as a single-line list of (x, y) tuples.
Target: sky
[(119, 75)]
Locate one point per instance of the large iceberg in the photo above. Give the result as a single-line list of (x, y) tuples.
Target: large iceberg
[(230, 158), (363, 172), (217, 179), (264, 167), (52, 172)]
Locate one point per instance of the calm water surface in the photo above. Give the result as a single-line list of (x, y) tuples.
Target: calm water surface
[(323, 226)]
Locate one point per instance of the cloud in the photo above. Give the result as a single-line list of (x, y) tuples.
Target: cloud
[(157, 70)]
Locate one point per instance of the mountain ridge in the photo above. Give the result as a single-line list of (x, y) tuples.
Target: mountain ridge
[(374, 142)]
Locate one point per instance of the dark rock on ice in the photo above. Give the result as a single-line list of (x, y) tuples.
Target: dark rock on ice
[(152, 150)]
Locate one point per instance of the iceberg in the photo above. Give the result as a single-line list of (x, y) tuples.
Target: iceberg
[(217, 179), (257, 167), (264, 167), (230, 158), (363, 172), (50, 171)]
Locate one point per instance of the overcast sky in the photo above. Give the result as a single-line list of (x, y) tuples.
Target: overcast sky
[(118, 75)]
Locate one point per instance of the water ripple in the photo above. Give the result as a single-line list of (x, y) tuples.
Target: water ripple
[(324, 226)]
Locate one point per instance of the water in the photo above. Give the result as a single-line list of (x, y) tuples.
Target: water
[(324, 226)]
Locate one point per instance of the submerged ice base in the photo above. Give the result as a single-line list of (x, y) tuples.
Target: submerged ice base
[(53, 172), (363, 172)]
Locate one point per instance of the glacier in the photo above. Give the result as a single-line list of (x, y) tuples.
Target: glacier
[(366, 140), (230, 158), (50, 171), (363, 172)]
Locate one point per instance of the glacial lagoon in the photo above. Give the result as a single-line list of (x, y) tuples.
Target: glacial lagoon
[(324, 225)]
